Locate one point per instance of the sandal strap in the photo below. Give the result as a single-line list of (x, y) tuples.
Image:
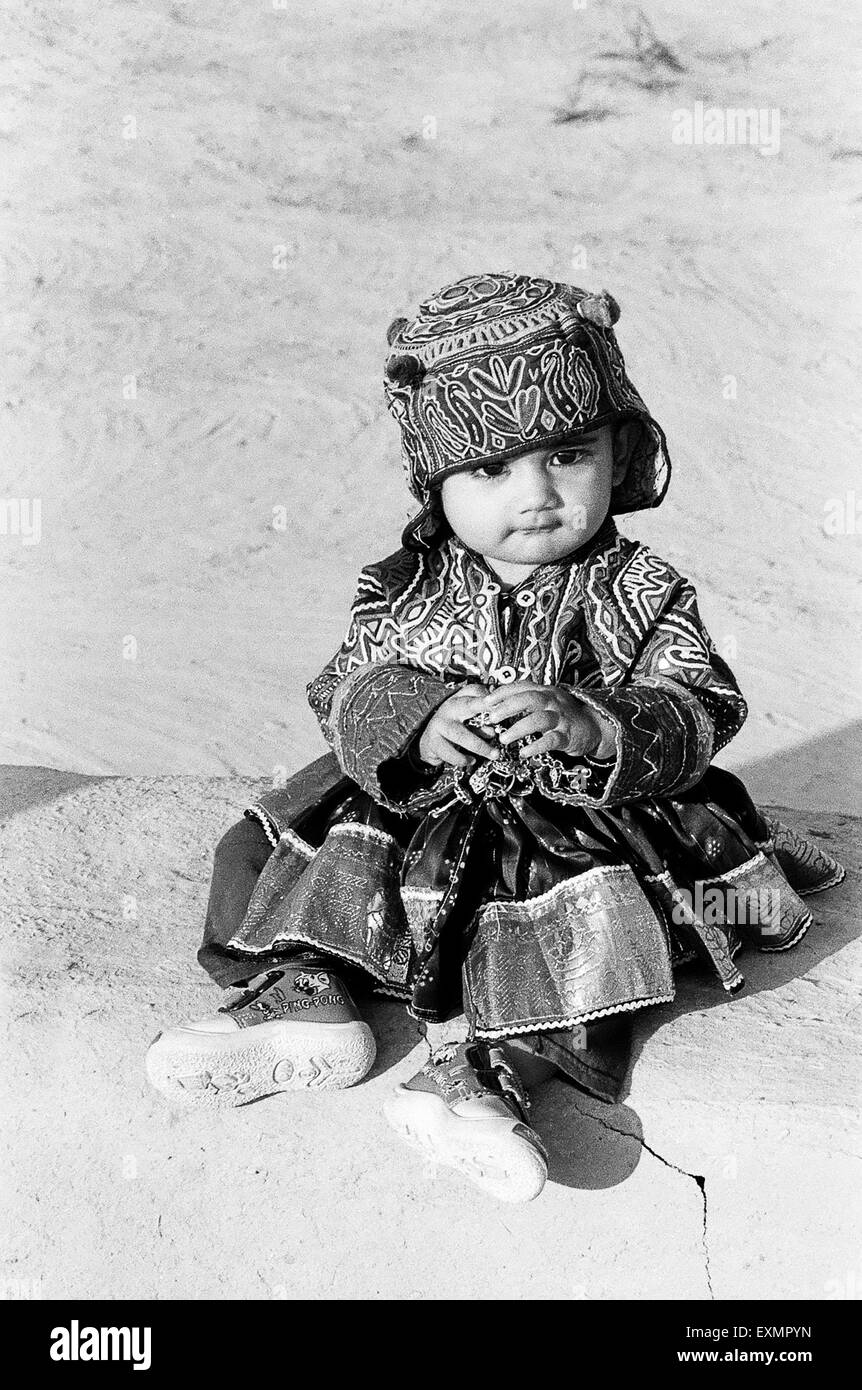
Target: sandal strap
[(462, 1070), (452, 1072), (509, 1081), (252, 992)]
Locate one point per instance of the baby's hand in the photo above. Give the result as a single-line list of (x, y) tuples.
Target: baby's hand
[(446, 740), (563, 723)]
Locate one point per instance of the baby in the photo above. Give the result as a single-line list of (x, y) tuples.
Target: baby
[(519, 821)]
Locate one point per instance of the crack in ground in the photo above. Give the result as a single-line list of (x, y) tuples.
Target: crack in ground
[(698, 1178)]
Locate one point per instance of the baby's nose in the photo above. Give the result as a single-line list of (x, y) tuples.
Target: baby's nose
[(537, 491)]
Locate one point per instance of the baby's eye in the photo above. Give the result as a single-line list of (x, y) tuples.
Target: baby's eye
[(569, 456), (488, 470)]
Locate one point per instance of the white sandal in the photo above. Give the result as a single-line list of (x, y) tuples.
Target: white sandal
[(295, 1029), (468, 1109)]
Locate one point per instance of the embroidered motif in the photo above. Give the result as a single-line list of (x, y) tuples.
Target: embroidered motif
[(813, 869), (591, 904), (375, 917)]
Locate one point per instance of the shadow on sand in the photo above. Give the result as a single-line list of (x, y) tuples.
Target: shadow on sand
[(827, 772), (21, 788)]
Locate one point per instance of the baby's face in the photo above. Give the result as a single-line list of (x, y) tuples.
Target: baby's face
[(536, 508)]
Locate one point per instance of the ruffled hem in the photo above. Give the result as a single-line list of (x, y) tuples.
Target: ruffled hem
[(597, 905)]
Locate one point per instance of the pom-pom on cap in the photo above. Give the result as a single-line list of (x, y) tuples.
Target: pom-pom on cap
[(600, 309), (405, 369)]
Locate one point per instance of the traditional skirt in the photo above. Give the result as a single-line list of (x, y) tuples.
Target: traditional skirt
[(532, 916)]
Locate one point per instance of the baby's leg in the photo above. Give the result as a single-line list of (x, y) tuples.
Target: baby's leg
[(295, 1027), (240, 856), (531, 1068)]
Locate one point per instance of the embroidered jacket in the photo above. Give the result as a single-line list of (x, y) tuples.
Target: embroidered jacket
[(619, 627)]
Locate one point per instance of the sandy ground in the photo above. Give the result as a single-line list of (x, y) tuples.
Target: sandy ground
[(728, 1170), (210, 214), (156, 155)]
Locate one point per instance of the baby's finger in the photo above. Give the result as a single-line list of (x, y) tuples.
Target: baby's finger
[(515, 709), (467, 709), (471, 691), (468, 738), (579, 740), (515, 703), (495, 698), (455, 757), (536, 722), (439, 749), (548, 743)]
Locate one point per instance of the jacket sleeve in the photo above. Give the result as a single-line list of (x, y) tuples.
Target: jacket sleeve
[(678, 705), (370, 704)]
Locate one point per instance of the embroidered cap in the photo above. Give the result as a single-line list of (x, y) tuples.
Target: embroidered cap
[(497, 364)]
